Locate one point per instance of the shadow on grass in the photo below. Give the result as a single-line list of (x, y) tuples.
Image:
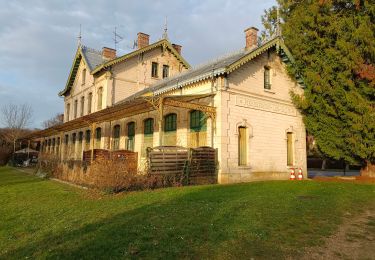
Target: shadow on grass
[(239, 221)]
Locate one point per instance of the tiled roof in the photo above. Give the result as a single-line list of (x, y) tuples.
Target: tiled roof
[(93, 57), (223, 65)]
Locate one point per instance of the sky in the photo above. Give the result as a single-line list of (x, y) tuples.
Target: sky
[(39, 38)]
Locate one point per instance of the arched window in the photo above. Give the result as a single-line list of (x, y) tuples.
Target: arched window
[(170, 122), (87, 139), (98, 137), (116, 137), (130, 128), (80, 137), (100, 98), (242, 146), (83, 76), (89, 103), (267, 77), (198, 126), (148, 135), (170, 127)]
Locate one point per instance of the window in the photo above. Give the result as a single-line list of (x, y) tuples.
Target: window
[(88, 136), (131, 134), (87, 139), (67, 111), (74, 138), (80, 137), (148, 130), (165, 71), (82, 105), (66, 139), (89, 101), (98, 137), (290, 149), (242, 146), (170, 122), (100, 98), (197, 121), (197, 135), (75, 108), (170, 127), (267, 77), (83, 76), (116, 137), (154, 70), (149, 126)]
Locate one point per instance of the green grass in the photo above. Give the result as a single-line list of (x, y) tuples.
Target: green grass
[(46, 219)]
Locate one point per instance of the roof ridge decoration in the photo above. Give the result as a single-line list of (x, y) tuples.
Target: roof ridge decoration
[(226, 67), (163, 42), (84, 47)]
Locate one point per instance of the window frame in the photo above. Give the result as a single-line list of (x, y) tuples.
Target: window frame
[(198, 121), (148, 126), (154, 70), (170, 122), (267, 78), (165, 71)]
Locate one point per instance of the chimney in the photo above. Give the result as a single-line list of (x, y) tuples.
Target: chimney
[(251, 37), (143, 40), (108, 53), (177, 48)]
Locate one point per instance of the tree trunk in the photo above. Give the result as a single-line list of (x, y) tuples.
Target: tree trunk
[(368, 170)]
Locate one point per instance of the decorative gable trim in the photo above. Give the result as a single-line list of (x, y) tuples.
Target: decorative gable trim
[(162, 43)]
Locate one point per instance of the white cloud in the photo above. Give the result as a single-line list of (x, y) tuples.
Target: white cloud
[(38, 38)]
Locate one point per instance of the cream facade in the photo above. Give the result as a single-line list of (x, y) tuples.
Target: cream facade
[(239, 104)]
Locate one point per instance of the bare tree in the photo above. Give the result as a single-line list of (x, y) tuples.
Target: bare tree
[(15, 118), (58, 119)]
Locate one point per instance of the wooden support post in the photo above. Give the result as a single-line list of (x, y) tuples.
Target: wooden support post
[(92, 141), (160, 120)]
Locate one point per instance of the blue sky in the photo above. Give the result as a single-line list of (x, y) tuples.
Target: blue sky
[(39, 38)]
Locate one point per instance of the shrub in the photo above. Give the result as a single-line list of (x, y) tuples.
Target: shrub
[(111, 176)]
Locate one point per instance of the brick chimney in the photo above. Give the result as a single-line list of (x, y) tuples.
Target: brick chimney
[(177, 48), (251, 37), (143, 40), (108, 53)]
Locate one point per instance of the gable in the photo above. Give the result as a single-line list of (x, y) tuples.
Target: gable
[(91, 58)]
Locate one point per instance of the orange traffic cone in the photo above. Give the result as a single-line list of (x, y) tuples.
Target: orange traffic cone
[(292, 175), (300, 176)]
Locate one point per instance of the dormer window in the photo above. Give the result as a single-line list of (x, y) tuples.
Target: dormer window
[(83, 76), (154, 70), (267, 78)]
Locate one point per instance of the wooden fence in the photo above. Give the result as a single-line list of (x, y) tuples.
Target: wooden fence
[(198, 165)]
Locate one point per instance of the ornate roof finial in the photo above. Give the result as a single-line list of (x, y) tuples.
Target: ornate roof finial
[(165, 34), (80, 36), (278, 27)]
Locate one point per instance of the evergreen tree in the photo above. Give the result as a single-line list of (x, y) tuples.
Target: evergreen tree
[(333, 44)]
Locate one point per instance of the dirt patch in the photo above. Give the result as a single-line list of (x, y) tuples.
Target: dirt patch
[(355, 239)]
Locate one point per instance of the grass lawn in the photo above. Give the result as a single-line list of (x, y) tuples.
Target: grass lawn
[(45, 219)]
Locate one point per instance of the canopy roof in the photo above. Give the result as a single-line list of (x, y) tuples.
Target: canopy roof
[(26, 150), (128, 107)]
